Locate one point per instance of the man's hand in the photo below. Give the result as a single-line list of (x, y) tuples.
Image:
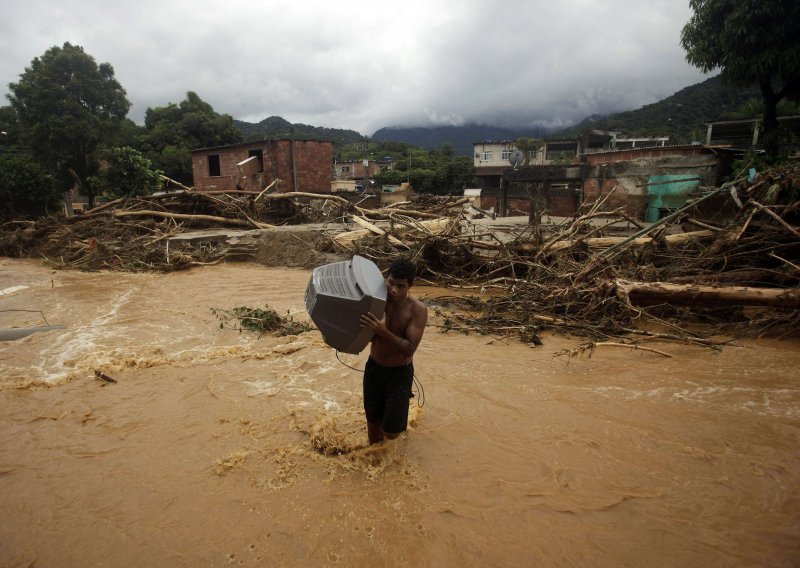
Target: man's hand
[(371, 321)]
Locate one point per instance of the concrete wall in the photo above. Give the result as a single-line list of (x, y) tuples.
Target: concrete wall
[(645, 183), (313, 165), (627, 176), (348, 185)]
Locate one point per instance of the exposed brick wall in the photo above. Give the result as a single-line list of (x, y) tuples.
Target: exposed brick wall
[(562, 202), (516, 205), (632, 200), (655, 153), (558, 201), (313, 165)]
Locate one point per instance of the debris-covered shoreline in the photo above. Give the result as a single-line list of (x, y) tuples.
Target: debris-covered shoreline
[(739, 276)]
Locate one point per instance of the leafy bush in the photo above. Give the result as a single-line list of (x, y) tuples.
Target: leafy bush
[(126, 172), (25, 190)]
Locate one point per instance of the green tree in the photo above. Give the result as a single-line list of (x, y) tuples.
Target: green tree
[(176, 129), (753, 42), (431, 171), (25, 190), (65, 103), (125, 171), (9, 129)]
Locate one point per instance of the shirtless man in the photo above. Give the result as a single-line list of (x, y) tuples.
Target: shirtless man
[(389, 371)]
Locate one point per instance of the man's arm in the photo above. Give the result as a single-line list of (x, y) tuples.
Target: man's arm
[(413, 333), (415, 329)]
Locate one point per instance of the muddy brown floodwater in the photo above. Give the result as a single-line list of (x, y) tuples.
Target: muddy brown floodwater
[(219, 448)]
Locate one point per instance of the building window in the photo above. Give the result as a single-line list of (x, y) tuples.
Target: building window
[(486, 155), (213, 165), (506, 155), (258, 153), (345, 169)]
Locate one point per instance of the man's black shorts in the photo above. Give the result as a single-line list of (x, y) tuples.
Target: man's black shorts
[(387, 391)]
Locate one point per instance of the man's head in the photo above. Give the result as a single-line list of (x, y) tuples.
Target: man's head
[(402, 268), (400, 279)]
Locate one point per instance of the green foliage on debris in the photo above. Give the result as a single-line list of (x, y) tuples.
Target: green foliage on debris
[(126, 172), (259, 320)]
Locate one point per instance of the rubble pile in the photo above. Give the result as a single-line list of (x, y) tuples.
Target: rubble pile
[(131, 234), (735, 273), (740, 276)]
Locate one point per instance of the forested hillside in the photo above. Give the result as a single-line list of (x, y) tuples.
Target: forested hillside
[(277, 127), (460, 138), (681, 116)]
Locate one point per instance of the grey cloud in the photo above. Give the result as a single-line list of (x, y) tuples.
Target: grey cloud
[(363, 65)]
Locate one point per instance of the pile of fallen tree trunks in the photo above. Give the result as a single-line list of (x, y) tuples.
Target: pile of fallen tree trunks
[(736, 274), (740, 276), (131, 233)]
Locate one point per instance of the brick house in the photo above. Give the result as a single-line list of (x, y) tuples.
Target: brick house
[(361, 169), (301, 165)]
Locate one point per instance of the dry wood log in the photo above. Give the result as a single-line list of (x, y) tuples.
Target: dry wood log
[(221, 192), (296, 194), (377, 230), (388, 213), (735, 277), (172, 181), (604, 242), (652, 293), (435, 226), (266, 189), (184, 217), (103, 377), (450, 204), (772, 214), (102, 207)]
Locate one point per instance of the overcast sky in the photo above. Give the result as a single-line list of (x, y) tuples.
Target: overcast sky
[(363, 65)]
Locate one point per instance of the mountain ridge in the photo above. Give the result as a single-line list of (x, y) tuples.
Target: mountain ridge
[(681, 117)]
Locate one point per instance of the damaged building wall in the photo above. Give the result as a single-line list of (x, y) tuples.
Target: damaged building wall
[(648, 182), (301, 165), (556, 188)]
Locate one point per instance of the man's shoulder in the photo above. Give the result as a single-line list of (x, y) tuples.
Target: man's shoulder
[(418, 306)]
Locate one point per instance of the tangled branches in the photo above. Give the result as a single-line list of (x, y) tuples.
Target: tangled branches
[(740, 276)]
